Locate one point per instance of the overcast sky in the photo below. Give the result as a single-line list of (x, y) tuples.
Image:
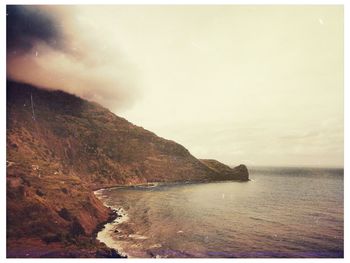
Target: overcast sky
[(241, 84)]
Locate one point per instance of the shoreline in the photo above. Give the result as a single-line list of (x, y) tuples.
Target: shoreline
[(118, 215), (102, 233), (161, 183)]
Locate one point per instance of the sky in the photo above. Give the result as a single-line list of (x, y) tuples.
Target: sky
[(258, 85)]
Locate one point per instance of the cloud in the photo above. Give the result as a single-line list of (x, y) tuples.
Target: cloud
[(26, 25), (56, 47)]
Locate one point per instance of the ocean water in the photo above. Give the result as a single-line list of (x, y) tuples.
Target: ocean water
[(281, 212)]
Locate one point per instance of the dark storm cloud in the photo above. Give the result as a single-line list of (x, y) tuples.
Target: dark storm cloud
[(66, 48), (27, 25)]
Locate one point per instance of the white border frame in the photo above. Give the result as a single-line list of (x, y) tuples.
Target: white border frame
[(176, 2)]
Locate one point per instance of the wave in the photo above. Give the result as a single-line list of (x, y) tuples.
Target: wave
[(106, 234)]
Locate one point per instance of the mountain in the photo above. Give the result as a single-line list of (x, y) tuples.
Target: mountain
[(59, 149)]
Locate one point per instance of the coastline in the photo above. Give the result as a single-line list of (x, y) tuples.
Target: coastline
[(164, 183), (103, 232)]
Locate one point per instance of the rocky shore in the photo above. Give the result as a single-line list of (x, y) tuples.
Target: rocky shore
[(72, 147)]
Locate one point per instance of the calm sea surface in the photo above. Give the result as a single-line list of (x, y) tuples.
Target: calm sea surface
[(281, 212)]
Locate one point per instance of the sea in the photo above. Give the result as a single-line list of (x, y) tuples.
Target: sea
[(280, 212)]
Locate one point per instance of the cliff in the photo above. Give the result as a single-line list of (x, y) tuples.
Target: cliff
[(59, 149), (224, 172)]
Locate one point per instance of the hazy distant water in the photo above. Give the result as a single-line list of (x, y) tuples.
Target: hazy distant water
[(280, 213)]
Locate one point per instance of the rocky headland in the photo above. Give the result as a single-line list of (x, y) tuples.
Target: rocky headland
[(60, 148)]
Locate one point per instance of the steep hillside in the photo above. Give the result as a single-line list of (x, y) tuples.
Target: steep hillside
[(60, 148)]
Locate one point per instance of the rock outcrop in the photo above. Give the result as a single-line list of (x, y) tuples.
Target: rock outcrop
[(60, 148), (224, 172)]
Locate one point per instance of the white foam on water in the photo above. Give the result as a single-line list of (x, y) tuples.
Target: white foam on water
[(106, 234)]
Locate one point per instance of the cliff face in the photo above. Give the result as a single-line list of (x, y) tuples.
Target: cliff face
[(224, 172), (61, 147)]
